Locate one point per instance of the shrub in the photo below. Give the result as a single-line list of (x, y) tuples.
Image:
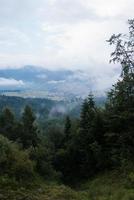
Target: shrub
[(42, 156), (13, 161)]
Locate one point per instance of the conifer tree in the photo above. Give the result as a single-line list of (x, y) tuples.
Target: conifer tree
[(120, 104), (88, 149), (84, 140), (67, 129), (29, 135), (7, 123)]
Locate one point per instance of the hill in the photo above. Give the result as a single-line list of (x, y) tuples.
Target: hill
[(34, 81), (46, 108)]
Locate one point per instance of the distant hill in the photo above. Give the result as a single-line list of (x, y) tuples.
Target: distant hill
[(46, 108), (43, 108), (32, 81)]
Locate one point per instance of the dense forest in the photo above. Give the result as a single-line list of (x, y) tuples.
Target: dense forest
[(100, 141)]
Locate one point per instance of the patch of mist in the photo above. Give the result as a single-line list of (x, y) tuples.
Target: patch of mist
[(57, 110)]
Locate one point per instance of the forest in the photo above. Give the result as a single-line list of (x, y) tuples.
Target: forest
[(87, 157)]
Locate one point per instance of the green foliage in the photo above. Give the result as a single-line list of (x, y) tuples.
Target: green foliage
[(55, 136), (67, 129), (29, 136), (13, 161), (124, 52), (42, 156), (120, 104), (7, 123)]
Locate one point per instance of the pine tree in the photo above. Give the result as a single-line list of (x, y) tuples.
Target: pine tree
[(7, 123), (87, 115), (29, 135), (89, 143), (120, 104), (67, 129), (83, 159)]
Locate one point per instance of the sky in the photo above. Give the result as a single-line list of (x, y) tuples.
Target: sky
[(62, 34)]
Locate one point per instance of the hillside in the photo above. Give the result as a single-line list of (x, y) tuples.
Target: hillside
[(114, 185), (46, 108), (58, 82), (34, 81)]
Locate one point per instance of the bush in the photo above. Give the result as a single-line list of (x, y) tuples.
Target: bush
[(42, 156), (13, 161)]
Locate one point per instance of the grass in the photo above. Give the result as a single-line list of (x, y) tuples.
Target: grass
[(108, 186), (51, 192)]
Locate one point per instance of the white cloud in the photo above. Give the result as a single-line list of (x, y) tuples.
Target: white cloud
[(42, 76), (62, 33), (56, 82), (114, 8), (10, 82)]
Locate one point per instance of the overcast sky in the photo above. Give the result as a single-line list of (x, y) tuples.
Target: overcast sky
[(68, 34)]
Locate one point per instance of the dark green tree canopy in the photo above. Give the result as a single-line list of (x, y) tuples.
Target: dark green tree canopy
[(30, 130), (67, 129), (7, 123)]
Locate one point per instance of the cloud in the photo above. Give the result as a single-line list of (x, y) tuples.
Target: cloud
[(62, 33), (10, 82), (42, 76), (67, 11), (56, 82)]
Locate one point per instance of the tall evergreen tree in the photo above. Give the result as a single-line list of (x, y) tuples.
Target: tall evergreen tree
[(120, 104), (7, 123), (29, 135), (86, 149), (87, 115), (67, 129)]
